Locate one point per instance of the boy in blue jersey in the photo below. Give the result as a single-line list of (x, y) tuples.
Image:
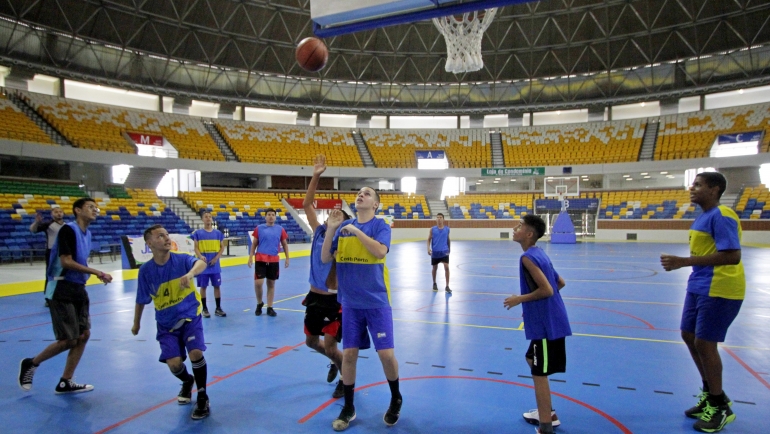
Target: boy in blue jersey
[(167, 282), (438, 249), (545, 318), (267, 237), (715, 292), (66, 293), (359, 247), (209, 246), (323, 313)]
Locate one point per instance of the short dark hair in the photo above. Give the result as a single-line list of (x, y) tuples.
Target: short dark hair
[(148, 231), (270, 210), (206, 211), (440, 214), (80, 203), (714, 179), (536, 223)]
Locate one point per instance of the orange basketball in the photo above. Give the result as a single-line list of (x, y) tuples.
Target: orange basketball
[(312, 54)]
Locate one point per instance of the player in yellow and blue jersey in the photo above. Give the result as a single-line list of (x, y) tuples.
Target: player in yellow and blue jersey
[(167, 282), (359, 246), (715, 292), (209, 246)]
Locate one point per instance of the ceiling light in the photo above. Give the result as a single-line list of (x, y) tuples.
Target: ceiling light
[(644, 173), (629, 179), (664, 173), (497, 179), (740, 91), (495, 182), (626, 176), (642, 104), (647, 177), (513, 180)]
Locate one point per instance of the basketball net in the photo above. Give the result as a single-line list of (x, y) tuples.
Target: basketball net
[(463, 39)]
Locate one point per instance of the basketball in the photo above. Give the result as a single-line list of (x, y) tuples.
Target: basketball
[(312, 54)]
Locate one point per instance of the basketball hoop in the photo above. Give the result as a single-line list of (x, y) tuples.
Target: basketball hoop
[(463, 39)]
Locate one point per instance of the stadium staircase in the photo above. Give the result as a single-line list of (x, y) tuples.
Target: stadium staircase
[(144, 178), (438, 206), (647, 151), (366, 157), (496, 141), (55, 136), (227, 151), (184, 212)]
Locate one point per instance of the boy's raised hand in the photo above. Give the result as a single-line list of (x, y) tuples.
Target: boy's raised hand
[(319, 164), (335, 219)]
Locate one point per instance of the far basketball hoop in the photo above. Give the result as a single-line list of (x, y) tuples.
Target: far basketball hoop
[(562, 188), (463, 34)]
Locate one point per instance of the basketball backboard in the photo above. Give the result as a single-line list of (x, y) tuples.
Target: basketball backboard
[(561, 187), (335, 17)]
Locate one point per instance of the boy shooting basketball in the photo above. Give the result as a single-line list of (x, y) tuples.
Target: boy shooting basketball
[(545, 318)]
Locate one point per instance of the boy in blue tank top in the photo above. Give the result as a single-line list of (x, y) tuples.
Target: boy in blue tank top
[(715, 292), (359, 247), (323, 313), (67, 274), (167, 281), (438, 249), (545, 318), (209, 246)]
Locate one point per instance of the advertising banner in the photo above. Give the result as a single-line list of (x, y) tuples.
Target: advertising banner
[(318, 203), (146, 139)]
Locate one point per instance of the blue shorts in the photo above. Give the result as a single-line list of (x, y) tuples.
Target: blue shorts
[(214, 280), (173, 344), (708, 317), (378, 322)]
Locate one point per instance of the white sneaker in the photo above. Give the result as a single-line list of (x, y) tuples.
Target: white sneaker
[(533, 417)]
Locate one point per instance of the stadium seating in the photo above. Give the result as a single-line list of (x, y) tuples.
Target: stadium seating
[(647, 204), (754, 203), (240, 212), (15, 125), (296, 145), (396, 148), (102, 127), (491, 206), (399, 205), (585, 143), (691, 135)]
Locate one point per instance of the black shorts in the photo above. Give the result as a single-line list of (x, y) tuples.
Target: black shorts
[(547, 356), (436, 261), (271, 270), (323, 315), (69, 318)]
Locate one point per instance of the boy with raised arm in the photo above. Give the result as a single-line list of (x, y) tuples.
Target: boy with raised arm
[(545, 318), (359, 247), (167, 282)]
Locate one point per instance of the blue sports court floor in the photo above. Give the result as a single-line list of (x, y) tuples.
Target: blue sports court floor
[(461, 357)]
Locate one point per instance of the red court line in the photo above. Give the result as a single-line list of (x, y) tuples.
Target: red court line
[(747, 367), (273, 355), (611, 419), (49, 322), (650, 326)]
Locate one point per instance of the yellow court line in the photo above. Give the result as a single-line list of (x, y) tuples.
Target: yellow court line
[(290, 298)]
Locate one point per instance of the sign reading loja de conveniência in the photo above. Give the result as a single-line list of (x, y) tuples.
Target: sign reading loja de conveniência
[(513, 171)]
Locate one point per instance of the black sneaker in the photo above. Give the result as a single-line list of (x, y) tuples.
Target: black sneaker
[(206, 313), (448, 291), (69, 386), (696, 411), (185, 395), (714, 418), (271, 312), (333, 369), (26, 372), (46, 303), (220, 312), (346, 416), (201, 410), (394, 411), (435, 287), (339, 391), (258, 310)]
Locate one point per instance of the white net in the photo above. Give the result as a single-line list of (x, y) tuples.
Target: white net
[(463, 39)]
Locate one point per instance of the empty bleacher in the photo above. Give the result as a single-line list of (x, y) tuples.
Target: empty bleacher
[(15, 125), (585, 143), (648, 204), (491, 206), (754, 203), (101, 127), (296, 145), (691, 135), (239, 212), (399, 205), (466, 148)]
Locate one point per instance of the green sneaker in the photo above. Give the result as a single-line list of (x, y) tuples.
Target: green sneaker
[(696, 411), (714, 418)]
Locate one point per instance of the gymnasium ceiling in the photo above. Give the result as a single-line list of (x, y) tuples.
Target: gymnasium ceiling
[(552, 54)]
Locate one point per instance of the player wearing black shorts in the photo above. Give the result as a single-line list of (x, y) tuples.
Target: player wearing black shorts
[(438, 249)]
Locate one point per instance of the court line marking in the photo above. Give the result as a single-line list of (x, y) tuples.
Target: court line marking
[(609, 418), (274, 354), (748, 368)]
